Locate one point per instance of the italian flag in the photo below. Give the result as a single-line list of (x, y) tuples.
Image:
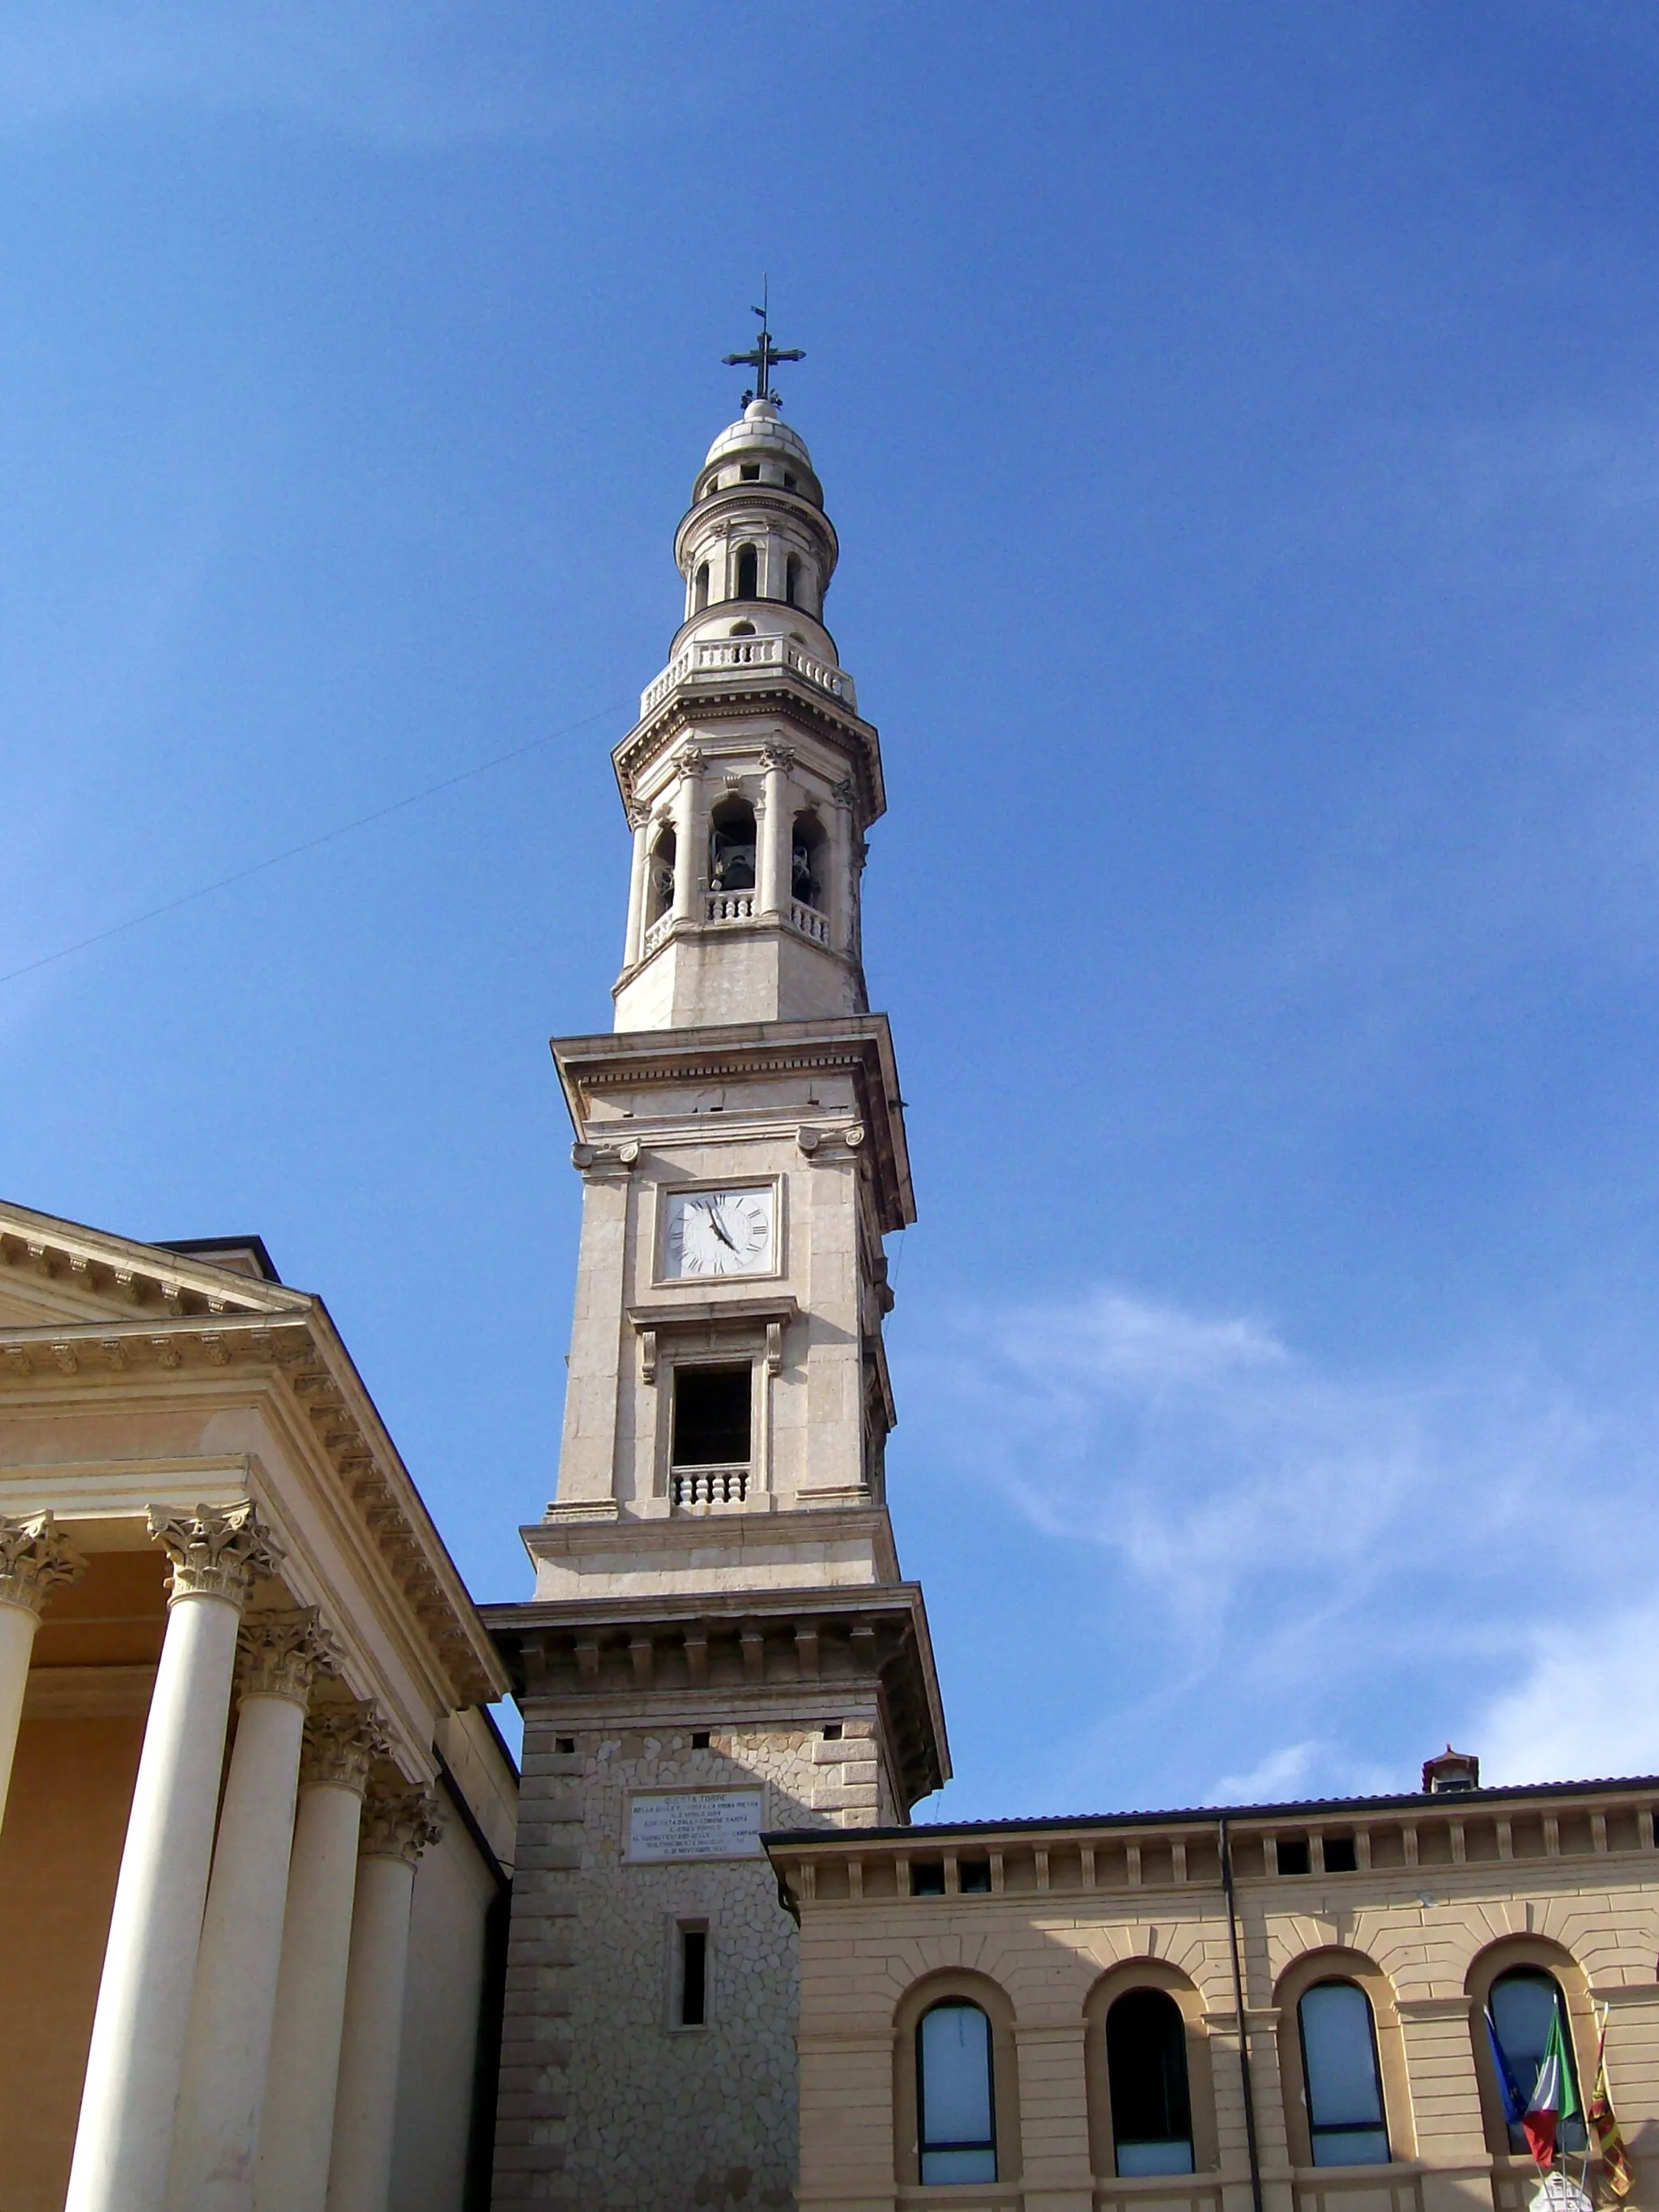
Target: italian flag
[(1554, 2098)]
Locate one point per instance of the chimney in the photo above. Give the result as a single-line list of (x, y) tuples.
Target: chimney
[(1449, 1772)]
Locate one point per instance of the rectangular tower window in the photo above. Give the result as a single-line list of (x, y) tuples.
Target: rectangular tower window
[(711, 1416), (693, 2009)]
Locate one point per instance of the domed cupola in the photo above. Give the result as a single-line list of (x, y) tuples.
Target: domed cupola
[(756, 548), (749, 779)]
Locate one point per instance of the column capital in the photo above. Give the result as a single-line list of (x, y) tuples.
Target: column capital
[(282, 1654), (342, 1743), (400, 1824), (780, 758), (34, 1560), (215, 1554)]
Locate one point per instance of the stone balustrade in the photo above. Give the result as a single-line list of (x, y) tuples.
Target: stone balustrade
[(723, 656), (710, 1486)]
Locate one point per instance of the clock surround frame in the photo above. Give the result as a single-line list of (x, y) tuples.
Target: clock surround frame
[(775, 1184)]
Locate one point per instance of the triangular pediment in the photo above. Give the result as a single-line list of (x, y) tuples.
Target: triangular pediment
[(56, 1273)]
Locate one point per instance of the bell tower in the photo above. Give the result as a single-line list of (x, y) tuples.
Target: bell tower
[(719, 1641)]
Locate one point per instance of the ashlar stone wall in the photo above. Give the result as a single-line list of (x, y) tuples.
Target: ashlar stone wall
[(608, 2103)]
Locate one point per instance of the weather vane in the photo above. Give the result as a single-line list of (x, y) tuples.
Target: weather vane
[(765, 356)]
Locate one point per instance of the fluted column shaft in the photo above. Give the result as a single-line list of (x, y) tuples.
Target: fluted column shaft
[(218, 2137), (296, 2132), (34, 1560), (135, 2068), (633, 943), (776, 822), (690, 853), (396, 1830)]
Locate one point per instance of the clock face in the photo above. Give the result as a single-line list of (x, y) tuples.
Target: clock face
[(718, 1232)]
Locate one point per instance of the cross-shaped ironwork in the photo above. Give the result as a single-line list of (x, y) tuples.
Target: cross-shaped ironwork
[(765, 356)]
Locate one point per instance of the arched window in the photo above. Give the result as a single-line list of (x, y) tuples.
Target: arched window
[(1146, 2070), (792, 579), (746, 583), (659, 886), (1340, 2069), (956, 2116), (732, 847), (1524, 2006), (808, 845), (700, 588)]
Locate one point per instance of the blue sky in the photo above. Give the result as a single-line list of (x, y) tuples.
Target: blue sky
[(1242, 426)]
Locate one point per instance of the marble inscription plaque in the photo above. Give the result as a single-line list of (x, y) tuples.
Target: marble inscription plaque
[(695, 1824)]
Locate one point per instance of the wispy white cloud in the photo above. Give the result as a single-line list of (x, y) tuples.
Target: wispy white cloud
[(1586, 1701), (1316, 1536)]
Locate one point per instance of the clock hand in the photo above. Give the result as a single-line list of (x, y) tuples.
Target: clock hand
[(716, 1224)]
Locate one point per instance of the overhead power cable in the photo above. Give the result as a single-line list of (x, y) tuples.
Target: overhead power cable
[(310, 845)]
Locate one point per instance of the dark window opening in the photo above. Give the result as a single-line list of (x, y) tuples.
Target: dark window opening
[(732, 847), (748, 574), (564, 1743), (1340, 2070), (1340, 1857), (975, 1876), (700, 587), (700, 1738), (711, 1416), (808, 845), (1293, 1854), (955, 2103), (694, 1977), (1525, 2006), (927, 1877), (832, 1731), (792, 579), (659, 885), (1146, 2069), (788, 481), (750, 472)]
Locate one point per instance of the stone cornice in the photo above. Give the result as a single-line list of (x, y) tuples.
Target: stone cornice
[(292, 1348), (87, 1263), (788, 1643), (859, 1045), (688, 711)]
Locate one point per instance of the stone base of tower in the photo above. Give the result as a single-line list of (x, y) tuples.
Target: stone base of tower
[(660, 1743)]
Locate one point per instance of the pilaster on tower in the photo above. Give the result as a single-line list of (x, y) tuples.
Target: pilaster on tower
[(749, 779)]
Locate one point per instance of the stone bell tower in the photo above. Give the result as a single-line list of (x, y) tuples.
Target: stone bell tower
[(719, 1641)]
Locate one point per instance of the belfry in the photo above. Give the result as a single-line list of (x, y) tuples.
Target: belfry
[(721, 1642)]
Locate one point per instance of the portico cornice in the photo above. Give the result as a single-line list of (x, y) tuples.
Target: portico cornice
[(279, 1341)]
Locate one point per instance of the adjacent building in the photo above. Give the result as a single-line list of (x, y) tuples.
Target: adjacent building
[(257, 1826)]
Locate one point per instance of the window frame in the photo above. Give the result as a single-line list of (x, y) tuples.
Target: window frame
[(924, 2150), (1318, 2128), (1119, 2141)]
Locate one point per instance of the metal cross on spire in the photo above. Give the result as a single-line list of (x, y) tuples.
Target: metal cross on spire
[(765, 356)]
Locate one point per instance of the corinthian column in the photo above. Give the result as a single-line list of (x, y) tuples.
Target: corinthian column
[(35, 1559), (230, 2022), (398, 1827), (775, 823), (691, 836), (124, 2144), (295, 2133)]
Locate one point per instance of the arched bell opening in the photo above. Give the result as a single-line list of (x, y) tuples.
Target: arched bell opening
[(700, 588), (660, 878), (809, 854), (746, 573), (732, 847), (792, 579)]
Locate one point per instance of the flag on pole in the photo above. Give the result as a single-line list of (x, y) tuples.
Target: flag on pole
[(1514, 2103), (1554, 2098), (1610, 2141)]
